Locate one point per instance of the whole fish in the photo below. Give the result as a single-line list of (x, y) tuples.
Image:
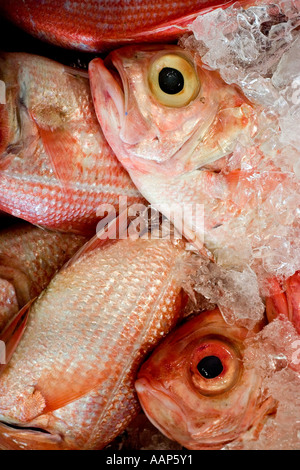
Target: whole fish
[(56, 167), (94, 26), (70, 382), (173, 124), (29, 258), (195, 389)]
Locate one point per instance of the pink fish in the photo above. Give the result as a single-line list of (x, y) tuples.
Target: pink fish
[(94, 26), (70, 381), (195, 389), (56, 168)]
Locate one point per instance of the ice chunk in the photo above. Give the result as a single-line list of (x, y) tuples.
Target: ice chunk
[(240, 42), (274, 354), (235, 292)]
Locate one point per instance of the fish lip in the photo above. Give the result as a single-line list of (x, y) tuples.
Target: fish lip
[(114, 70), (108, 95), (22, 428), (19, 437), (113, 65)]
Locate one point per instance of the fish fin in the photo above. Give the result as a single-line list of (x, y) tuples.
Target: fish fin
[(13, 333), (60, 390), (60, 146)]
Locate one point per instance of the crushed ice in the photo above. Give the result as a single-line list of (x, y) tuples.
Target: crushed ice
[(275, 355), (258, 49)]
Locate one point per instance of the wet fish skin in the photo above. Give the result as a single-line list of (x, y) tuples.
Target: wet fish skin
[(56, 167), (87, 334), (198, 411), (95, 26), (29, 258)]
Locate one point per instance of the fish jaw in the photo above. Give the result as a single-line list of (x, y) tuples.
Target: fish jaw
[(170, 395), (108, 100), (14, 437)]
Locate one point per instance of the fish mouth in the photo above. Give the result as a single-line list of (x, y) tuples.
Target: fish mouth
[(115, 71), (17, 427), (107, 88), (17, 437), (151, 397), (116, 108)]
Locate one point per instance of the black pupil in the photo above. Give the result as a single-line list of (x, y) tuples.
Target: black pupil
[(170, 80), (210, 367)]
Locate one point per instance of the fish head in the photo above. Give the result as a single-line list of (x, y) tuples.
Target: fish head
[(195, 389), (163, 112)]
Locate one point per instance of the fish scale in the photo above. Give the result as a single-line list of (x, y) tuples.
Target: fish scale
[(29, 258)]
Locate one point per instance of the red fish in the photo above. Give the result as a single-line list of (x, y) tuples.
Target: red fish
[(56, 167), (29, 258), (94, 26), (70, 382), (195, 389)]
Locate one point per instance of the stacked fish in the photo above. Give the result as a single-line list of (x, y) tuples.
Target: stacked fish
[(80, 314)]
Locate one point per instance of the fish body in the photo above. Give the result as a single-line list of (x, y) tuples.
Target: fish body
[(70, 382), (56, 167), (95, 26), (195, 389), (175, 144), (29, 258)]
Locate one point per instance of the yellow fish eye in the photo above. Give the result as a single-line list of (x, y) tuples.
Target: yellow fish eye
[(173, 80)]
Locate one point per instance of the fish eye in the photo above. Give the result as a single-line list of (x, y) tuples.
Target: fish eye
[(210, 367), (170, 80), (173, 80), (215, 366)]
